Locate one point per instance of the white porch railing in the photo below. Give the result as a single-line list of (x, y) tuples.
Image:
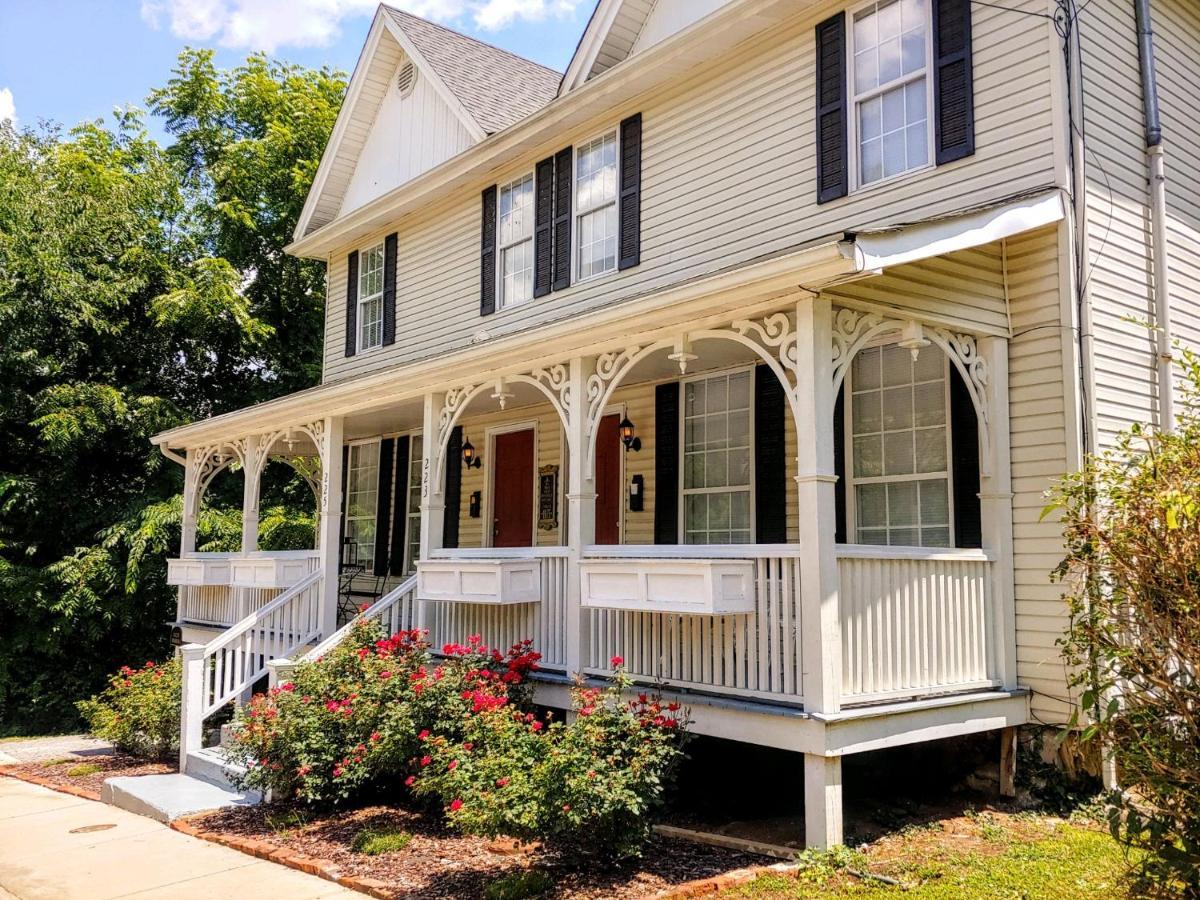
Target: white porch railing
[(914, 622), (395, 611), (755, 655), (544, 622), (225, 605), (229, 665)]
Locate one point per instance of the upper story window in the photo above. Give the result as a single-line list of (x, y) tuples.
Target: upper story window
[(596, 206), (362, 498), (370, 298), (515, 221), (890, 88), (898, 426), (717, 459)]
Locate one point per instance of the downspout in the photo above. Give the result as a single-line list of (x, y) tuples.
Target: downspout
[(1155, 157)]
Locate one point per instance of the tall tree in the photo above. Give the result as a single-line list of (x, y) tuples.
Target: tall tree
[(139, 287)]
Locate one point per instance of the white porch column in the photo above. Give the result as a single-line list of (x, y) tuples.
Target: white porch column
[(822, 801), (191, 503), (821, 647), (252, 465), (191, 723), (581, 505), (433, 490), (996, 509), (330, 542)]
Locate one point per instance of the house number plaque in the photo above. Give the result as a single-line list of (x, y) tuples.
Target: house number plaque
[(548, 498)]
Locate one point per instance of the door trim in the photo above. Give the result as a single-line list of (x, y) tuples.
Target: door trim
[(490, 437)]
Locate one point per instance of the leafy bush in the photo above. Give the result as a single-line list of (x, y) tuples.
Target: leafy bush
[(591, 785), (1132, 527), (352, 719), (139, 710)]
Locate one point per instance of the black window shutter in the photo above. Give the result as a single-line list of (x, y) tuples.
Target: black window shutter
[(839, 466), (453, 487), (666, 463), (383, 505), (543, 226), (770, 459), (954, 92), (389, 289), (964, 441), (351, 303), (629, 218), (563, 188), (342, 525), (833, 178), (399, 509), (487, 255)]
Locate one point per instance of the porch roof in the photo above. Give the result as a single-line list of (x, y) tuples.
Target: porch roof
[(752, 287)]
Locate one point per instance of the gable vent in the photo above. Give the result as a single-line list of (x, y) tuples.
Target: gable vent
[(406, 78)]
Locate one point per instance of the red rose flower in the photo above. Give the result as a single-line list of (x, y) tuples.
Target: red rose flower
[(617, 661), (455, 805)]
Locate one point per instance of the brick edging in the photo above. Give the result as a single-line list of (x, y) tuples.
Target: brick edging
[(322, 868), (704, 886), (82, 792)]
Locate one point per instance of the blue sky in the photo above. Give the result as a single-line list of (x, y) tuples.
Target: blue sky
[(72, 60)]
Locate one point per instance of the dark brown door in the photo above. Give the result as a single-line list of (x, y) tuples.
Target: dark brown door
[(609, 490), (512, 489)]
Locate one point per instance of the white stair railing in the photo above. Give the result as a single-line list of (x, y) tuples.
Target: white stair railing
[(226, 667), (395, 610)]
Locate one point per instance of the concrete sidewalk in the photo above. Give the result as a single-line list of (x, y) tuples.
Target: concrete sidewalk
[(56, 846)]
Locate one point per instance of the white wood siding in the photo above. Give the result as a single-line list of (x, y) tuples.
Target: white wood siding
[(728, 177), (669, 16)]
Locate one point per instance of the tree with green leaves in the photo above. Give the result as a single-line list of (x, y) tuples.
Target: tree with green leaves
[(141, 287)]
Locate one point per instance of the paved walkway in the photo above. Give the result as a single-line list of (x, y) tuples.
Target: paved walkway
[(58, 747), (54, 846)]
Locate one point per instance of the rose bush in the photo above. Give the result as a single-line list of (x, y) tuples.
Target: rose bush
[(592, 784), (353, 718), (139, 710)]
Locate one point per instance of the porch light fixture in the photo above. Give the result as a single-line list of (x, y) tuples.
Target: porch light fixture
[(628, 436), (470, 460)]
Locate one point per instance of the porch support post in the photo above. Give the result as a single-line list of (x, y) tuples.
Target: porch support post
[(251, 473), (191, 723), (822, 801), (581, 506), (330, 543), (996, 511), (821, 647), (433, 492), (191, 503)]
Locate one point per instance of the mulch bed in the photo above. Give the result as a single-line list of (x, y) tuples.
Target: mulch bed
[(56, 773), (439, 863)]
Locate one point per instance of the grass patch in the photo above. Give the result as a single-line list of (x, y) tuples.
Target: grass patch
[(61, 762), (17, 738), (988, 855), (373, 842), (519, 885), (284, 822), (83, 769)]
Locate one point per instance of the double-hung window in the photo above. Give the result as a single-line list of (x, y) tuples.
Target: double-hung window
[(596, 206), (717, 428), (415, 455), (899, 437), (890, 86), (515, 219), (362, 498), (370, 298)]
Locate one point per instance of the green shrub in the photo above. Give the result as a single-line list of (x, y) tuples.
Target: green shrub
[(371, 842), (519, 885), (592, 785), (352, 719), (139, 710), (83, 769), (1132, 526)]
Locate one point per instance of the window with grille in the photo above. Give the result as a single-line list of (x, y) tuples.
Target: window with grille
[(415, 454), (717, 459), (370, 298), (515, 240), (596, 206), (899, 441), (362, 498)]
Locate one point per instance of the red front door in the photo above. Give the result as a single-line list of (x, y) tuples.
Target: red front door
[(512, 489), (609, 490)]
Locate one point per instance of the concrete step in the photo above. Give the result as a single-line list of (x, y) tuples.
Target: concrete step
[(165, 798), (212, 765)]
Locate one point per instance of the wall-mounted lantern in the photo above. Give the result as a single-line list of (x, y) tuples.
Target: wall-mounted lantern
[(470, 459), (628, 435)]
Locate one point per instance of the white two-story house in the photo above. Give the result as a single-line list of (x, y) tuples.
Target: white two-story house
[(744, 350)]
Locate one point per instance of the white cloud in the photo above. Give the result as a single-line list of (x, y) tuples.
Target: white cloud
[(8, 110), (271, 24)]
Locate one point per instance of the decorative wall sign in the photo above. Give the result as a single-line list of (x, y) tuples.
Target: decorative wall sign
[(548, 498)]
